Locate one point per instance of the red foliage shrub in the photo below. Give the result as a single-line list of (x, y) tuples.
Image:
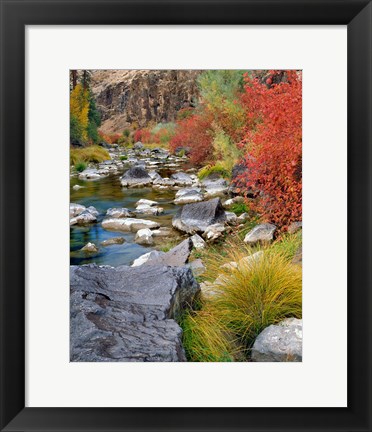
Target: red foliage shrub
[(110, 139), (137, 135), (273, 147), (143, 135), (195, 133), (185, 113)]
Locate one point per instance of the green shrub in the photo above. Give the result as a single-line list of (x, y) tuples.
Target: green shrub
[(123, 157), (80, 166), (126, 133), (239, 208), (94, 154), (212, 169)]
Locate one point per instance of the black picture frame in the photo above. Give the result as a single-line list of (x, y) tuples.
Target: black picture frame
[(15, 15)]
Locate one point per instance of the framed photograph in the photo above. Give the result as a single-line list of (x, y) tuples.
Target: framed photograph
[(213, 271)]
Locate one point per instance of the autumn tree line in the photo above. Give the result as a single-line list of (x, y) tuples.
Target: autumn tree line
[(250, 120), (84, 116)]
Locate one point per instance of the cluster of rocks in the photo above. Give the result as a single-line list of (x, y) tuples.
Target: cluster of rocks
[(81, 215), (138, 159)]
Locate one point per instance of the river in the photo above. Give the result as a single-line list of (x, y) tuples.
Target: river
[(107, 193)]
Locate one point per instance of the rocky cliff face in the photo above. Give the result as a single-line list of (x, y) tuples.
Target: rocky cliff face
[(127, 96)]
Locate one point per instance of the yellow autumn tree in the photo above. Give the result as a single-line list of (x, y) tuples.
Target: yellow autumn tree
[(79, 109)]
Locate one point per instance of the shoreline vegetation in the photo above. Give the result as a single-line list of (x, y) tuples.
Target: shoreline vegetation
[(232, 165)]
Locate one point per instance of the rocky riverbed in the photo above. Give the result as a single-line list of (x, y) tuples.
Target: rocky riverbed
[(126, 292), (127, 206)]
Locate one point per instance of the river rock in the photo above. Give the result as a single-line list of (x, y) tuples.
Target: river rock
[(213, 232), (146, 209), (231, 218), (243, 217), (163, 183), (138, 146), (113, 241), (80, 215), (214, 188), (188, 195), (90, 174), (118, 212), (89, 247), (136, 177), (196, 217), (92, 210), (181, 179), (162, 232), (262, 233), (127, 314), (77, 187), (197, 267), (228, 203), (144, 237), (294, 227), (128, 224), (76, 209), (279, 343), (146, 202), (147, 257), (154, 175), (177, 256), (198, 242), (83, 218)]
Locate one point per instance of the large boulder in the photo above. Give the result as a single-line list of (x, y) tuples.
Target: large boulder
[(196, 217), (128, 224), (279, 343), (262, 233), (128, 314), (136, 176)]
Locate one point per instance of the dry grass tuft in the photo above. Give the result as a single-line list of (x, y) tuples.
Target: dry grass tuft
[(94, 154)]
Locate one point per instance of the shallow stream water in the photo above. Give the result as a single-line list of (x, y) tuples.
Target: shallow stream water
[(106, 193)]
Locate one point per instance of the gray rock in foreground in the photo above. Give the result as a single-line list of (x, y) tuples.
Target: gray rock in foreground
[(262, 233), (196, 217), (127, 314), (279, 343)]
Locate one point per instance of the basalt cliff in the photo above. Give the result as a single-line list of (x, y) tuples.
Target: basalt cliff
[(125, 97)]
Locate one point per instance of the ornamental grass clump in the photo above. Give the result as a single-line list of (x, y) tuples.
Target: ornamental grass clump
[(206, 339), (262, 289)]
